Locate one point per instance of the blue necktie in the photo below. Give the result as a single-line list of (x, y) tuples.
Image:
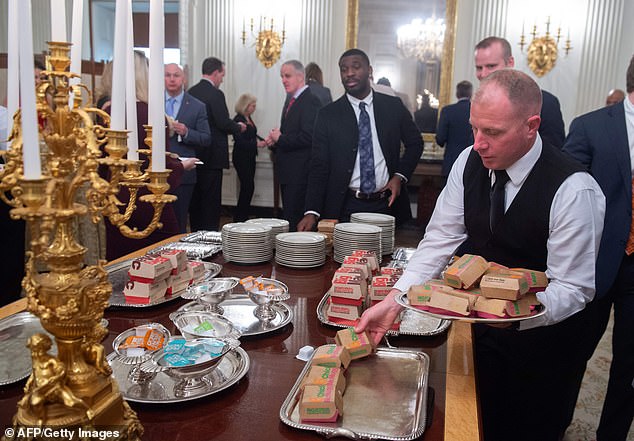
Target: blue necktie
[(366, 153), (170, 106)]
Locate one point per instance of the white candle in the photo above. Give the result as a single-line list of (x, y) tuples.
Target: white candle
[(117, 95), (13, 70), (30, 139), (58, 20), (130, 97), (76, 38), (157, 84)]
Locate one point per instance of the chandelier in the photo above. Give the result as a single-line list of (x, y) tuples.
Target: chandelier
[(422, 40)]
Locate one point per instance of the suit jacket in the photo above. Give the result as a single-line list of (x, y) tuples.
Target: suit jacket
[(335, 145), (552, 128), (292, 151), (321, 92), (599, 140), (426, 118), (454, 132), (215, 155), (192, 113)]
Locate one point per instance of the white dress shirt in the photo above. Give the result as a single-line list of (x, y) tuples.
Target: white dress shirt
[(575, 223)]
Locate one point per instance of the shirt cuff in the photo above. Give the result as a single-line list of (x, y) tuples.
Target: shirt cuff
[(403, 178), (312, 212)]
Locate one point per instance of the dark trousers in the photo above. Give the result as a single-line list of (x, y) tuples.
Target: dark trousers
[(354, 205), (527, 379), (181, 206), (206, 204), (293, 199), (618, 407), (245, 168)]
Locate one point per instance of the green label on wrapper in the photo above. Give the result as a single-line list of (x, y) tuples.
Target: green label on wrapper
[(318, 411)]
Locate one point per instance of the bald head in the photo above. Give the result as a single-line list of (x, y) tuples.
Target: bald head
[(174, 79), (615, 96), (521, 90)]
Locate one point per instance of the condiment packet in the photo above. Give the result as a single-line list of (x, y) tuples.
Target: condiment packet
[(305, 353), (204, 326), (174, 346), (177, 360)]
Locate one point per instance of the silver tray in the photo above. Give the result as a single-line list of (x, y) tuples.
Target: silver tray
[(160, 389), (396, 378), (118, 276), (194, 250), (411, 323), (401, 299), (212, 237), (239, 310), (15, 364)]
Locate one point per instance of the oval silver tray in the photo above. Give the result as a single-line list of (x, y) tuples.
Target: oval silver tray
[(239, 310), (401, 299), (402, 373), (194, 250), (411, 323), (118, 276), (160, 389)]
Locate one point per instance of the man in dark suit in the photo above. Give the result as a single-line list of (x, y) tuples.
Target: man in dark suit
[(293, 141), (494, 53), (454, 130), (356, 164), (603, 140), (188, 120), (426, 118), (207, 198)]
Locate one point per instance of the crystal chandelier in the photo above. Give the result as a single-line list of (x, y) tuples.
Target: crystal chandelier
[(422, 40)]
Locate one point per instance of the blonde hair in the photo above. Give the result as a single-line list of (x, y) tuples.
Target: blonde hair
[(245, 100), (105, 86), (141, 75)]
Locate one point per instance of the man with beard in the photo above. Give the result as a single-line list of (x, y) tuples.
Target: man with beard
[(356, 164)]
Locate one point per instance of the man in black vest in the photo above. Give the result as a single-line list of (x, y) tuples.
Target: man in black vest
[(551, 220)]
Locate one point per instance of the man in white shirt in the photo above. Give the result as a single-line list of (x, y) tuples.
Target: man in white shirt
[(552, 221)]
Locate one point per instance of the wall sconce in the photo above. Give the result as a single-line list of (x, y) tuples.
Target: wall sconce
[(268, 42), (542, 51)]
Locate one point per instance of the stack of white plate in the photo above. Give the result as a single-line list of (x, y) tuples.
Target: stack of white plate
[(277, 225), (300, 250), (247, 243), (385, 221), (349, 237)]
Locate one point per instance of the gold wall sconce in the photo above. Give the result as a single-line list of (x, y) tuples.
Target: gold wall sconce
[(543, 50), (268, 42)]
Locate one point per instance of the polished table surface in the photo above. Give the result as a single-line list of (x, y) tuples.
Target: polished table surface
[(249, 410)]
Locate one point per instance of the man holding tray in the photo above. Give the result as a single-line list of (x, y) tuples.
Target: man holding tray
[(551, 220)]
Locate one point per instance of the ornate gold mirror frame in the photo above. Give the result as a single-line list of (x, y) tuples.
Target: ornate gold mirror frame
[(446, 69)]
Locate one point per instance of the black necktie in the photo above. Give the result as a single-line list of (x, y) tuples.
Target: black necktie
[(497, 198)]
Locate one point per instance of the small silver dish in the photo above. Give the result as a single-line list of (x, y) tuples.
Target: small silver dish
[(119, 339), (192, 379), (186, 321), (266, 299), (210, 293)]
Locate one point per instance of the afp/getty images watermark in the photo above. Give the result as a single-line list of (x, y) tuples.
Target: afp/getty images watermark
[(59, 433)]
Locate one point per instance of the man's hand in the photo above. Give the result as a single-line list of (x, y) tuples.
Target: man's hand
[(243, 127), (180, 128), (307, 223), (189, 163), (379, 319), (394, 185), (274, 135), (261, 143)]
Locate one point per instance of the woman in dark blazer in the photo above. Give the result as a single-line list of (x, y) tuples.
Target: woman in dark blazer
[(245, 149)]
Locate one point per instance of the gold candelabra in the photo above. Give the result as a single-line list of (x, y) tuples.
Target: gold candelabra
[(268, 42), (74, 389), (543, 50)]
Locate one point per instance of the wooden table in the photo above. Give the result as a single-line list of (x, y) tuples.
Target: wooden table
[(249, 409)]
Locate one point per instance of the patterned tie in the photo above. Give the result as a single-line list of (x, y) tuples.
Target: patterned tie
[(366, 153), (497, 198), (290, 103), (170, 106), (629, 248)]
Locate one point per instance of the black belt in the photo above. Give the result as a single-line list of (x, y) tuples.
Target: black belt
[(370, 196)]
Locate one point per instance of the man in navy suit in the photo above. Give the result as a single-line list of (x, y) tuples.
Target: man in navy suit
[(454, 130), (494, 53), (338, 173), (190, 132), (293, 141), (603, 140)]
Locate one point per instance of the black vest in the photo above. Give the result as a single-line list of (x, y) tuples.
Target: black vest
[(521, 237)]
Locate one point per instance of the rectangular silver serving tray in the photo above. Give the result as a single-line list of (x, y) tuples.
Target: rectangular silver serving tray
[(411, 323), (212, 237), (385, 398), (194, 250)]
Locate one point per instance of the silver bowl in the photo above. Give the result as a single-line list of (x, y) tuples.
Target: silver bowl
[(210, 293), (186, 321), (265, 299), (119, 339)]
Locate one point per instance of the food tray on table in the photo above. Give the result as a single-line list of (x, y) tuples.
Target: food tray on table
[(239, 310), (118, 277), (395, 378), (194, 250), (14, 332), (210, 237), (411, 323), (160, 389), (402, 300)]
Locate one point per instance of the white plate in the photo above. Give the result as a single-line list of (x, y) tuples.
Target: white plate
[(301, 238), (357, 228), (245, 228)]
